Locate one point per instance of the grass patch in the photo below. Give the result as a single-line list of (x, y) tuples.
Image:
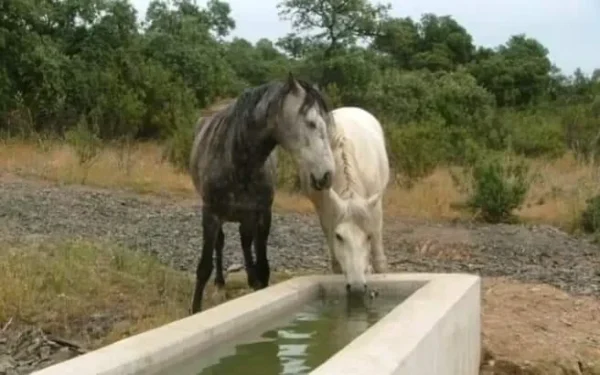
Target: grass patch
[(557, 195), (95, 294)]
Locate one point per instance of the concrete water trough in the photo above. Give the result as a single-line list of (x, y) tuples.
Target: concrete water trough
[(427, 324)]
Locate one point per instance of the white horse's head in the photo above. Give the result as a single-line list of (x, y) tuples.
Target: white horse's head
[(351, 236)]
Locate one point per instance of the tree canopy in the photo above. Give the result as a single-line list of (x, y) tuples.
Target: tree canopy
[(64, 63)]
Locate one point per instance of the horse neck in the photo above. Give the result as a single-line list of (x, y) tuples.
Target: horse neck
[(252, 145)]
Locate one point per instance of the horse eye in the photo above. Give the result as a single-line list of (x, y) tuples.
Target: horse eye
[(338, 237), (312, 125), (369, 237)]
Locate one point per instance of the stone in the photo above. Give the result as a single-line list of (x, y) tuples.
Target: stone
[(236, 267), (6, 363)]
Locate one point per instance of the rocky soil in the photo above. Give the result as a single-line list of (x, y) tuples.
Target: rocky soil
[(171, 230)]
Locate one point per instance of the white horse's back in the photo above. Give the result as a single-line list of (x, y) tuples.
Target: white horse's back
[(366, 148)]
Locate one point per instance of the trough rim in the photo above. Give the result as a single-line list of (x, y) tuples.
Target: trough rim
[(154, 350), (365, 354)]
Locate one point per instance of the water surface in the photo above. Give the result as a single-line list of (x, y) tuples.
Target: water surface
[(296, 345)]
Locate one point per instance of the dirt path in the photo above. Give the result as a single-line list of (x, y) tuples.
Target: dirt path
[(172, 231)]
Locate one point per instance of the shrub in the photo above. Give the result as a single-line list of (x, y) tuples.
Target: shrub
[(535, 135), (581, 123), (498, 188), (178, 147), (415, 150), (86, 143), (590, 217)]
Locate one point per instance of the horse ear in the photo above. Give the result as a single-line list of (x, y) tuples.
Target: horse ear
[(292, 83), (373, 200)]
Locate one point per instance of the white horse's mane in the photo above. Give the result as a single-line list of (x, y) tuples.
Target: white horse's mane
[(355, 206), (340, 144)]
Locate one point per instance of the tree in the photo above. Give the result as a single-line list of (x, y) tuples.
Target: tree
[(518, 73), (436, 43), (336, 23)]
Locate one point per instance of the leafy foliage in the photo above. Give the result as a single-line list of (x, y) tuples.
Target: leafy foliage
[(441, 97), (590, 217), (498, 188), (86, 144)]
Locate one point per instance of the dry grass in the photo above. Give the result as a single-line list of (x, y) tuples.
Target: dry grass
[(560, 190), (95, 294), (557, 195)]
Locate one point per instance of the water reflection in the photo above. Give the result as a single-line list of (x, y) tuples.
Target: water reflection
[(297, 347)]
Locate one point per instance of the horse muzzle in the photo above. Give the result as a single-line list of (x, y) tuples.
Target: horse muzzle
[(322, 183)]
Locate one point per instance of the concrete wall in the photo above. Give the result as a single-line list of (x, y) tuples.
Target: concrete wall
[(157, 350), (436, 331)]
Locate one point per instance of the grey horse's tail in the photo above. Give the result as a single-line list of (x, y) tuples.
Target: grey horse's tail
[(192, 166)]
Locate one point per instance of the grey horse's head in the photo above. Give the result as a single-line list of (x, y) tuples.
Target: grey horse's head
[(302, 127)]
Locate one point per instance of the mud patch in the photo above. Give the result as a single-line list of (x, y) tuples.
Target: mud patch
[(539, 329)]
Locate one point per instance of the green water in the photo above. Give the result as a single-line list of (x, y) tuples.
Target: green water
[(296, 345)]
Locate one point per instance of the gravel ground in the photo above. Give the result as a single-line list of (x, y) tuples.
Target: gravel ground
[(171, 230)]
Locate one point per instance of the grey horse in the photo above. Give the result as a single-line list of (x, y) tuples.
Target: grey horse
[(233, 168)]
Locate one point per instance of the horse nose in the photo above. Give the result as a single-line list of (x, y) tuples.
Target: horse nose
[(356, 289), (326, 181), (321, 183)]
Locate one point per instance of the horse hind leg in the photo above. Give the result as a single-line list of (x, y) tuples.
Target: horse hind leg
[(263, 228), (246, 238), (219, 294), (210, 228), (220, 244)]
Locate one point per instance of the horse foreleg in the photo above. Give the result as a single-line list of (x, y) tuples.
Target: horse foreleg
[(333, 262), (378, 257), (210, 228), (246, 238), (263, 227)]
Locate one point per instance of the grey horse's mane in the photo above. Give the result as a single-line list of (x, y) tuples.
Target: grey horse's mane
[(255, 104), (248, 114)]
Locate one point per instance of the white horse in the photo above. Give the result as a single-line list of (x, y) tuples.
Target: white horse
[(351, 212)]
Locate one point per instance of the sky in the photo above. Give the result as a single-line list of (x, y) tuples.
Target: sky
[(568, 28)]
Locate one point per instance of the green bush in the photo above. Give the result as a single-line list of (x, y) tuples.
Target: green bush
[(87, 144), (498, 188), (178, 147), (535, 135), (590, 217), (581, 124), (415, 150)]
